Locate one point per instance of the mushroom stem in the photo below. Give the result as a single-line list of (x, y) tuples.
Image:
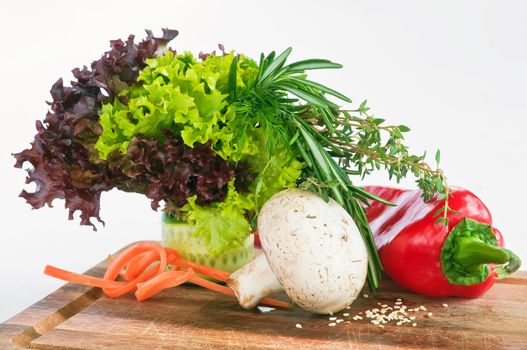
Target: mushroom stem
[(253, 282)]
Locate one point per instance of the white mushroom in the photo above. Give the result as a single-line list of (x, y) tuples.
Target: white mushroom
[(313, 250)]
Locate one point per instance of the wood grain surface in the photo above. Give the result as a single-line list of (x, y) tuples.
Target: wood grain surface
[(188, 317)]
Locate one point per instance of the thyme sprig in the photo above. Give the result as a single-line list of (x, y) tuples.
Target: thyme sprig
[(360, 138), (334, 144)]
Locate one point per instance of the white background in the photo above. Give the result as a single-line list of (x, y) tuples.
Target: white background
[(454, 71)]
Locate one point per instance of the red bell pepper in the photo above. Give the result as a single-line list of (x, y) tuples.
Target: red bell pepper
[(462, 259)]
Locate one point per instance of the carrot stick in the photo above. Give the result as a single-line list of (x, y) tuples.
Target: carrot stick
[(227, 291), (203, 270), (276, 303), (133, 267), (117, 264), (217, 274), (80, 279), (139, 263), (120, 262), (162, 281), (173, 252), (211, 285), (130, 286)]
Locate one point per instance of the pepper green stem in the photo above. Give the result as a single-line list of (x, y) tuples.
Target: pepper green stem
[(473, 251), (469, 249)]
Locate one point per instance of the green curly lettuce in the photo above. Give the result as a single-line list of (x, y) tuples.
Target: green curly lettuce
[(225, 225), (222, 225), (179, 93), (191, 99)]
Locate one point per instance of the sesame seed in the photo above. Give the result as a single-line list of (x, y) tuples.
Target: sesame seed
[(298, 325), (339, 320), (445, 305), (381, 326), (332, 324), (365, 296), (348, 307), (399, 299), (332, 318), (345, 314), (398, 314)]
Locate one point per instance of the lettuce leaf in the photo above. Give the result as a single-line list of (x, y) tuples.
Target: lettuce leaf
[(223, 225), (171, 171), (183, 95), (277, 172), (64, 160)]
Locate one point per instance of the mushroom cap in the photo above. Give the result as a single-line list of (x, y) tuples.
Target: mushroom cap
[(314, 249)]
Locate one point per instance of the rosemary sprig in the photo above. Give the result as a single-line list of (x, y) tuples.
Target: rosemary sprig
[(332, 143)]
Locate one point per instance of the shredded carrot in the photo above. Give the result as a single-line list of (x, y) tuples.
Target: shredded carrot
[(172, 252), (211, 285), (161, 282), (80, 279), (143, 267), (203, 270), (137, 249), (131, 285), (139, 263), (276, 303)]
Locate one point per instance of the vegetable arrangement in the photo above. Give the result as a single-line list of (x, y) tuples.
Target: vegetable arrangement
[(226, 144), (212, 138), (463, 259)]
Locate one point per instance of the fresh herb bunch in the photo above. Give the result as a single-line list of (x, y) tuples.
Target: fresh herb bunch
[(213, 138), (333, 143)]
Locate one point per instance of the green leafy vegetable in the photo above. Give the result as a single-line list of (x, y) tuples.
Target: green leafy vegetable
[(198, 101), (63, 157), (184, 95), (276, 172), (223, 225)]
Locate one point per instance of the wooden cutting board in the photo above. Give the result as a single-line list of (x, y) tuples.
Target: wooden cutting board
[(187, 317)]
